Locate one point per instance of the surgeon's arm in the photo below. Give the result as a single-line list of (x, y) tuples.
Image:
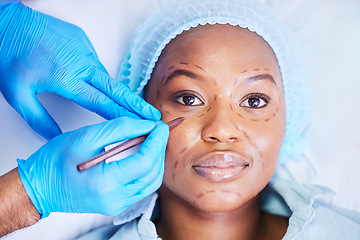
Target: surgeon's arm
[(16, 208), (53, 183)]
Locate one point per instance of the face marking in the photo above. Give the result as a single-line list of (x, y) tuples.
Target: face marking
[(176, 163), (188, 144), (210, 191), (160, 106), (266, 69), (199, 195), (256, 69), (162, 80), (240, 115), (268, 119), (158, 95), (167, 112), (253, 119), (200, 68), (247, 136), (170, 67), (225, 191), (183, 150)]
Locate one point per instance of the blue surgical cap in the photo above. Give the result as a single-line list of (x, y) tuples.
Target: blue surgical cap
[(173, 17)]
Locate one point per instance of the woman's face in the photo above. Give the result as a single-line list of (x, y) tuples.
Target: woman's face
[(227, 84)]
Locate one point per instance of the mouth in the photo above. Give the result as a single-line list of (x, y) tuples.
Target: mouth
[(220, 167)]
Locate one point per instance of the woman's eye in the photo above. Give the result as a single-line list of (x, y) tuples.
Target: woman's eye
[(189, 100), (255, 101)]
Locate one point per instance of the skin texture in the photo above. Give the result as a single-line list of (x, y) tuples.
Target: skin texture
[(226, 82), (17, 210)]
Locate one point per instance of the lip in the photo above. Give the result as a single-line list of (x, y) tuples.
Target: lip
[(220, 166)]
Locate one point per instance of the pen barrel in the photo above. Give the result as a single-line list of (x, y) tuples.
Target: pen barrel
[(112, 152)]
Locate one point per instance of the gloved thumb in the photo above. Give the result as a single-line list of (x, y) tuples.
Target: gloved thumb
[(27, 105)]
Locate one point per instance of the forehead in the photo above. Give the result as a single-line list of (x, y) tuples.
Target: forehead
[(220, 39), (225, 49)]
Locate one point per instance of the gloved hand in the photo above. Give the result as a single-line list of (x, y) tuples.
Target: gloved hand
[(53, 183), (39, 53)]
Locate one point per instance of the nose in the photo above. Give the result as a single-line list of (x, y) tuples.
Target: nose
[(221, 126)]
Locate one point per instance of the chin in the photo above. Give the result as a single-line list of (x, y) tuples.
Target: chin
[(220, 203)]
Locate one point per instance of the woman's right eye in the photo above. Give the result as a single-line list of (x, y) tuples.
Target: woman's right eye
[(188, 99)]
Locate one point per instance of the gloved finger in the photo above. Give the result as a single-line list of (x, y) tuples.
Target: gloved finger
[(123, 96), (141, 163), (35, 115), (94, 100), (97, 136)]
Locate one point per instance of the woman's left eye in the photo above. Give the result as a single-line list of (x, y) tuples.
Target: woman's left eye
[(188, 100), (257, 100)]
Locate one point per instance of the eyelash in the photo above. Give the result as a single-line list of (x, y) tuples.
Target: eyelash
[(255, 95), (183, 94), (178, 98)]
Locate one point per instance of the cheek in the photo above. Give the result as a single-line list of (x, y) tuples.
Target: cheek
[(180, 145)]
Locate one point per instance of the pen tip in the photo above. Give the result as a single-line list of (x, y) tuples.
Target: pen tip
[(176, 122)]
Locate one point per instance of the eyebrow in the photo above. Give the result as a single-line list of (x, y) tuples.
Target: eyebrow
[(261, 77), (182, 72)]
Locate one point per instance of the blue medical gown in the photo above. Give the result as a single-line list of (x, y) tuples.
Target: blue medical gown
[(305, 205)]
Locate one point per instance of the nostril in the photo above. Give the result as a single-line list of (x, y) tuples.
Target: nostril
[(214, 139), (233, 139)]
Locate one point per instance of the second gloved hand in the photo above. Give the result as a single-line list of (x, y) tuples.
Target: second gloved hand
[(39, 53), (53, 183)]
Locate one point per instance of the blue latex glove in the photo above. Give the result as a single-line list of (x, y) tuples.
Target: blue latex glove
[(53, 183), (39, 53)]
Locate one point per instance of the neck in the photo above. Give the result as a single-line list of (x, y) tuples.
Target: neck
[(180, 220)]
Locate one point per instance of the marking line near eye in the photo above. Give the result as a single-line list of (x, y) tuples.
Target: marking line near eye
[(200, 68), (184, 63), (162, 80)]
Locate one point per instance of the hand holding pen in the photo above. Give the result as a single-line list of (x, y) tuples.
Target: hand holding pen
[(54, 184)]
